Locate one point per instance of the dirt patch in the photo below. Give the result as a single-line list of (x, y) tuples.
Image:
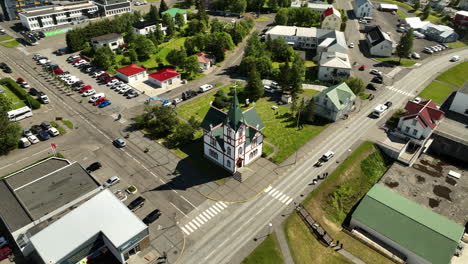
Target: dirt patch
[(420, 179), (450, 181), (428, 170), (392, 184), (433, 203), (442, 191)]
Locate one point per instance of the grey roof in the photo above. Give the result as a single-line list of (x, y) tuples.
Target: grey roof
[(11, 211), (376, 36), (213, 118), (35, 171), (253, 119), (338, 36), (361, 2), (110, 36), (57, 9), (334, 60)]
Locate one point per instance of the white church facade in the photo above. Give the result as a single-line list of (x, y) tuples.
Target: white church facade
[(232, 139)]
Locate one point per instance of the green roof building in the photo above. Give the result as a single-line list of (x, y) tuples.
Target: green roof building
[(232, 139), (334, 102), (409, 230), (174, 11)]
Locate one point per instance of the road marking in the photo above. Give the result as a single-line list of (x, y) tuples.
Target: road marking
[(212, 215), (207, 216), (188, 227), (203, 217), (195, 221), (216, 209), (268, 189), (47, 149), (223, 204), (277, 195), (185, 231), (192, 225), (213, 211), (5, 166), (217, 206), (21, 160), (177, 208), (282, 197), (200, 220), (289, 201)]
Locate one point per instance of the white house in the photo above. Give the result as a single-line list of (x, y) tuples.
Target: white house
[(415, 23), (363, 8), (165, 78), (331, 40), (319, 7), (380, 44), (300, 37), (113, 41), (132, 73), (420, 119), (232, 139), (205, 60), (460, 102), (334, 66), (331, 19), (334, 102), (146, 27)]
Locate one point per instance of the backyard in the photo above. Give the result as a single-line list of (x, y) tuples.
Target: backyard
[(268, 252), (332, 202)]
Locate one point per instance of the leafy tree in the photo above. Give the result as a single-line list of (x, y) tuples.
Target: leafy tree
[(426, 11), (191, 65), (296, 75), (417, 5), (216, 26), (255, 5), (129, 36), (183, 135), (159, 34), (273, 4), (167, 19), (454, 3), (132, 55), (194, 122), (356, 85), (195, 26), (255, 47), (177, 57), (281, 17), (10, 132), (169, 22), (308, 112), (144, 48), (153, 14), (218, 52), (221, 100), (159, 121), (104, 57), (201, 14), (163, 7), (284, 76), (238, 6), (280, 50), (330, 1), (405, 46), (189, 3), (180, 20), (254, 89)]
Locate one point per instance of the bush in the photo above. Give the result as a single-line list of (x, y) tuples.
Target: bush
[(21, 93)]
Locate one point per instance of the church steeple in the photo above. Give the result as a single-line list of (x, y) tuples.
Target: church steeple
[(235, 117)]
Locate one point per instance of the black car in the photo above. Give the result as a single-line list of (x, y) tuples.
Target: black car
[(35, 129), (7, 69), (45, 125), (3, 65), (388, 104), (41, 34), (33, 92), (377, 80), (189, 94), (94, 166), (151, 217), (43, 135), (137, 203), (370, 86)]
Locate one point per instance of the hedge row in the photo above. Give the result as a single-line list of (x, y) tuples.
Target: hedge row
[(21, 93)]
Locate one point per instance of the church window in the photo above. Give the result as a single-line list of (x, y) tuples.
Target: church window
[(240, 151), (213, 154), (229, 132), (228, 151), (212, 141), (228, 163)]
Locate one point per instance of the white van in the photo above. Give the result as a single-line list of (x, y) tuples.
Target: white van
[(25, 142), (95, 97), (379, 110), (206, 87), (327, 156)]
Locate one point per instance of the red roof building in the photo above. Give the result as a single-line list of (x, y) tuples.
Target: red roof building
[(420, 119), (331, 19), (165, 77), (205, 60), (132, 73)]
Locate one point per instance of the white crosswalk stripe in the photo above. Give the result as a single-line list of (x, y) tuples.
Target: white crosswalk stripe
[(203, 218), (268, 189), (277, 194), (398, 91)]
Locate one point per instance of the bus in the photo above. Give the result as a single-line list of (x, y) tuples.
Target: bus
[(19, 114)]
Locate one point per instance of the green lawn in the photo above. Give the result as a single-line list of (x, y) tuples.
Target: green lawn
[(10, 44), (454, 75), (329, 205), (456, 45), (436, 91), (67, 123), (401, 14), (165, 48), (267, 150), (310, 92), (6, 37), (16, 102), (262, 19), (309, 63), (403, 63), (268, 252)]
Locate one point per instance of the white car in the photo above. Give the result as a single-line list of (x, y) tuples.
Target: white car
[(111, 181), (118, 88), (25, 142), (33, 139), (53, 131), (97, 74), (206, 87), (455, 58), (351, 45), (125, 89), (115, 81), (417, 100), (177, 100), (415, 55), (89, 92), (25, 85), (375, 72)]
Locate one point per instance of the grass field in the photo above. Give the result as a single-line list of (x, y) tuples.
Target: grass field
[(268, 252), (67, 123), (310, 92), (10, 44), (401, 14), (267, 150), (436, 91), (456, 45), (453, 76), (6, 37), (262, 19), (16, 102), (403, 63), (329, 205), (165, 48)]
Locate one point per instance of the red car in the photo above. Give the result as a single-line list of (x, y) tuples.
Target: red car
[(363, 67), (5, 252), (100, 100), (76, 61), (108, 79), (85, 88), (58, 71), (20, 80)]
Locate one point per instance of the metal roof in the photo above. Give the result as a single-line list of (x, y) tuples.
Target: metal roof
[(339, 95), (334, 60), (103, 213)]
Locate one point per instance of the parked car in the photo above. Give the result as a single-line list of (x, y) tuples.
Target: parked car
[(401, 30), (85, 88), (111, 181), (124, 89), (137, 203), (43, 135), (268, 89), (25, 85), (99, 73), (455, 58), (105, 103), (375, 72), (377, 79), (94, 167), (388, 104), (24, 142), (19, 80), (96, 97), (351, 45), (89, 92), (415, 55), (189, 94), (132, 94), (428, 50), (205, 87), (33, 139), (35, 129), (151, 217), (46, 125), (177, 101), (370, 86), (99, 101), (7, 69), (27, 132), (119, 142), (53, 131), (363, 67), (5, 253)]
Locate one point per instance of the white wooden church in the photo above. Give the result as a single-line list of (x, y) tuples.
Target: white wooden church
[(233, 139)]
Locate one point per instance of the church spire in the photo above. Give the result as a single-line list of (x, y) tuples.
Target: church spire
[(235, 117)]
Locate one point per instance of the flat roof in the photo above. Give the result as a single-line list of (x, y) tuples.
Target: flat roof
[(389, 6), (293, 31), (455, 130), (42, 188), (56, 8), (103, 213)]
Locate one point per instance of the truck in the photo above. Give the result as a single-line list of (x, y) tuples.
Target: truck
[(379, 110), (43, 98)]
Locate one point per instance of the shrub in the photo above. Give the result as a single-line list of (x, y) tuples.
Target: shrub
[(21, 93)]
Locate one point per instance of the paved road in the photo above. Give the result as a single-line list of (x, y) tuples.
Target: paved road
[(223, 242)]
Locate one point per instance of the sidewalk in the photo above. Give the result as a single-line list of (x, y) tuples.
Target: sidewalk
[(279, 230)]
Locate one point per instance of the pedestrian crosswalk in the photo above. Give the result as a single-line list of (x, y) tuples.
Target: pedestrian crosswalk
[(203, 218), (278, 195), (398, 91)]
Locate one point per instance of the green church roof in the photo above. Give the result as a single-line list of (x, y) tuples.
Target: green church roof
[(173, 11), (234, 116)]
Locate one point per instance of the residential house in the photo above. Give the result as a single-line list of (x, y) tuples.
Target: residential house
[(319, 6), (440, 33), (331, 40), (174, 11), (132, 73), (363, 8), (205, 60), (415, 23), (232, 139), (420, 119), (461, 19), (331, 19), (405, 228), (113, 7), (146, 27), (334, 102), (165, 78), (463, 5), (380, 44), (334, 66), (299, 37), (112, 40), (439, 4)]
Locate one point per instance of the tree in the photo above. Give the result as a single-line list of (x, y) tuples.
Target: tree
[(189, 3), (159, 121), (10, 132), (308, 112), (132, 55), (104, 57), (183, 135), (280, 50), (221, 100), (179, 20), (417, 5), (273, 4), (201, 14), (177, 57), (153, 14), (356, 85), (143, 47), (194, 122), (163, 7), (159, 34), (216, 26), (427, 11), (169, 22), (238, 6), (281, 17), (254, 89), (129, 36), (296, 75), (454, 3), (330, 1), (405, 46), (255, 47), (191, 65)]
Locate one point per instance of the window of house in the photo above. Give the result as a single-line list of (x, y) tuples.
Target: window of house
[(241, 131), (212, 141), (213, 154), (415, 131), (228, 163), (254, 141), (407, 129), (240, 151), (414, 122), (229, 132), (229, 151), (251, 155)]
